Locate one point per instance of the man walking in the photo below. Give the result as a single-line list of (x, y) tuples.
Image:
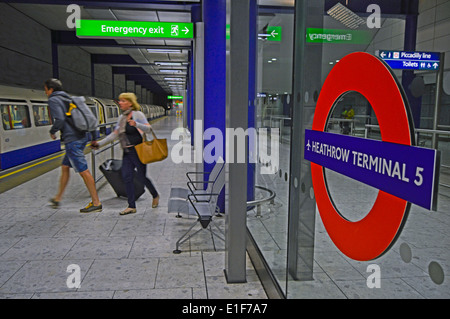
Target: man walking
[(74, 141)]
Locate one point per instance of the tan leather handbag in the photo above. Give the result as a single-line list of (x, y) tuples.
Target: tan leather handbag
[(152, 151)]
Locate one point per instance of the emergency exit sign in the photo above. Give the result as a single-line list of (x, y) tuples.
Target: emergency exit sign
[(133, 29)]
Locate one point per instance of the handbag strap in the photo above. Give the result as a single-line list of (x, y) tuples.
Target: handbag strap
[(145, 135), (153, 133)]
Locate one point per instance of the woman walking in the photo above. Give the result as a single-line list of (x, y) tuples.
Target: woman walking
[(131, 124)]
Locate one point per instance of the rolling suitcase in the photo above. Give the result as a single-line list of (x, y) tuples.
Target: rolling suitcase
[(111, 169)]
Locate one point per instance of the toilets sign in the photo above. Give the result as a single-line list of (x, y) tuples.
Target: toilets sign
[(402, 173), (406, 60)]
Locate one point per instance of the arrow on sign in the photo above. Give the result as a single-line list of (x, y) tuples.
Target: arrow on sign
[(273, 33), (186, 30)]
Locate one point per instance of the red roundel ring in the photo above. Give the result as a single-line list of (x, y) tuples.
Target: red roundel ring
[(373, 235)]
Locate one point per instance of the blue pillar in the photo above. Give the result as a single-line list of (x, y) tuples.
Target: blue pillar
[(214, 18), (190, 97), (252, 90), (196, 16)]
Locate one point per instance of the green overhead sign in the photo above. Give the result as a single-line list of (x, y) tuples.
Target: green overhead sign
[(174, 97), (134, 29), (318, 35), (274, 33)]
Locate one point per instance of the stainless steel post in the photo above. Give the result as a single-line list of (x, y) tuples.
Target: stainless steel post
[(437, 103), (237, 117)]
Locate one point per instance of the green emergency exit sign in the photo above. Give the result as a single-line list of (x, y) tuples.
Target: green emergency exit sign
[(174, 97), (318, 35), (274, 33), (134, 29)]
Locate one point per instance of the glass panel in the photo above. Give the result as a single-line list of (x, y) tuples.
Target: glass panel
[(15, 116), (41, 115), (109, 110), (350, 114), (268, 222), (94, 110), (418, 262)]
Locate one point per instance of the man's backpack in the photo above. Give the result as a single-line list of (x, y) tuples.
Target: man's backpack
[(81, 116)]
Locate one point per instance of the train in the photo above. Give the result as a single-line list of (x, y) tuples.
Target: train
[(26, 122)]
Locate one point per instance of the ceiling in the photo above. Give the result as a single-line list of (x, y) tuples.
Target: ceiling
[(131, 57), (141, 67), (128, 56)]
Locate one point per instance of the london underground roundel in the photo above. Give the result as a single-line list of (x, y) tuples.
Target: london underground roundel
[(366, 74)]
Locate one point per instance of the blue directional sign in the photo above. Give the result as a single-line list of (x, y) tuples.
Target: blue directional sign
[(407, 60), (408, 172)]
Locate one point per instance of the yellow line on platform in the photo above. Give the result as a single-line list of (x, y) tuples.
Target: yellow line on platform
[(30, 166)]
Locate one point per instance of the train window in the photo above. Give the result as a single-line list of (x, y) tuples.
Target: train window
[(94, 110), (116, 112), (110, 112), (15, 116), (41, 115)]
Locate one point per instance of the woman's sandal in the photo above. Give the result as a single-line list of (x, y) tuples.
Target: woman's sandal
[(54, 203), (155, 202), (128, 211)]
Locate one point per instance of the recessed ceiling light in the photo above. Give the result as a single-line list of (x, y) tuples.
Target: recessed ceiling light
[(174, 79), (170, 70), (345, 16), (168, 63), (164, 50)]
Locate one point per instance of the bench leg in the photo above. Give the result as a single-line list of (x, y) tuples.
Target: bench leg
[(181, 240)]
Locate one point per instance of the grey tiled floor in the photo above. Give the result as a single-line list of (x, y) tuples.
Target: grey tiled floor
[(425, 235), (118, 256)]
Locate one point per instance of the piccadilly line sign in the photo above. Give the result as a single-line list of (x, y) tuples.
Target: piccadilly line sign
[(133, 29), (407, 60)]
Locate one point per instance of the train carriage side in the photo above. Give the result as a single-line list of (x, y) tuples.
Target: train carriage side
[(26, 123), (145, 110), (110, 114)]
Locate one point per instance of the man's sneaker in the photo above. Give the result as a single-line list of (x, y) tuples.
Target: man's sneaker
[(90, 208), (53, 203)]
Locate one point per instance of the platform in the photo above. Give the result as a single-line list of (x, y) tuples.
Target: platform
[(119, 256), (131, 256)]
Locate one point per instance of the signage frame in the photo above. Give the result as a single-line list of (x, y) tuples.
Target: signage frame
[(372, 236), (417, 60), (99, 29)]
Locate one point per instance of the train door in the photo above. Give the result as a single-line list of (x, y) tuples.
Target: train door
[(101, 112), (101, 116)]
